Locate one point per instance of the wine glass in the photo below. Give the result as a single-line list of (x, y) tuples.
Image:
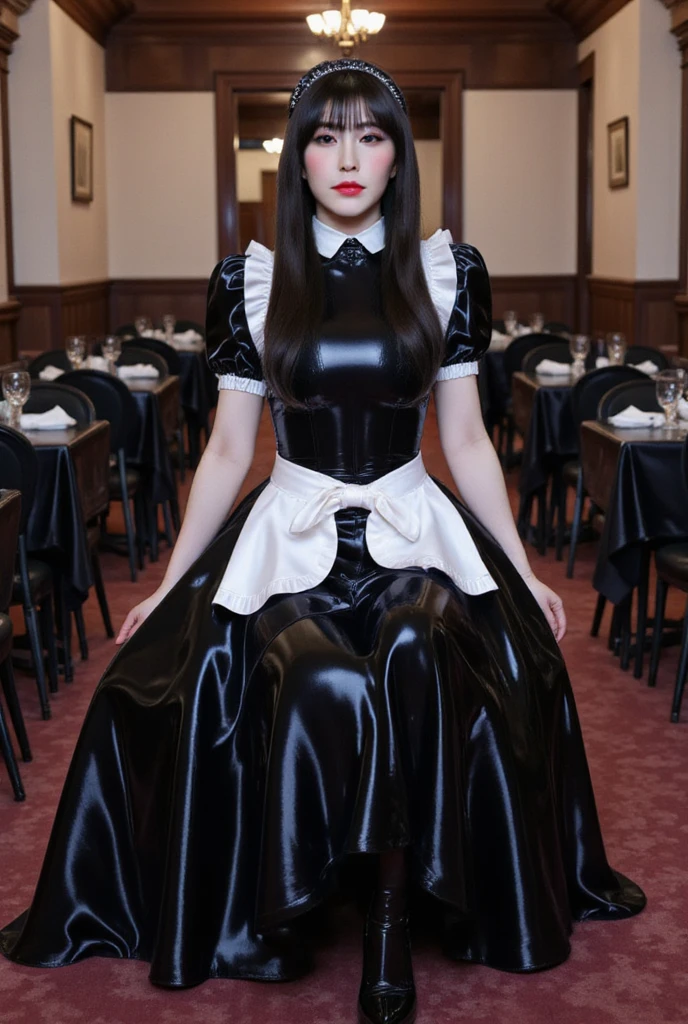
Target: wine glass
[(112, 350), (143, 324), (579, 347), (16, 388), (169, 321), (616, 348), (669, 385), (537, 322), (75, 347), (510, 321)]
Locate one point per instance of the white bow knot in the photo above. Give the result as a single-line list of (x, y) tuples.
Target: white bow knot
[(396, 512)]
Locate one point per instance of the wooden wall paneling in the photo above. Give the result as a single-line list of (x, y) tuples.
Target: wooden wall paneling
[(554, 295), (161, 60), (9, 314), (586, 107), (51, 312), (185, 297), (642, 310)]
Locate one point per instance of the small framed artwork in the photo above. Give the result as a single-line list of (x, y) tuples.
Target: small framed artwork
[(82, 160), (617, 136)]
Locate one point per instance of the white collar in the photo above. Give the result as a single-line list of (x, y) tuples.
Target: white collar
[(328, 240)]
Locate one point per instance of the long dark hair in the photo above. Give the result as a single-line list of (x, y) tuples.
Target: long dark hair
[(297, 297)]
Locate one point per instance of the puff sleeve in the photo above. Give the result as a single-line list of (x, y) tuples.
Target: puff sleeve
[(230, 349), (469, 328)]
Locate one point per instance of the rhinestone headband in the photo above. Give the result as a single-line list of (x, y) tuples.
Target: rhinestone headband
[(345, 64)]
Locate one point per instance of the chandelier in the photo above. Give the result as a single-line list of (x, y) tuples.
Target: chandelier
[(346, 27)]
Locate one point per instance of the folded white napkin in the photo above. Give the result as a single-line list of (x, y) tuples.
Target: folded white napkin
[(137, 370), (50, 373), (154, 332), (550, 367), (52, 419), (600, 362), (682, 409), (98, 363), (191, 336), (647, 366), (634, 417)]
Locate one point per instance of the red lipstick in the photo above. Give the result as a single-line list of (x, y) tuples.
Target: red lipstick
[(348, 188)]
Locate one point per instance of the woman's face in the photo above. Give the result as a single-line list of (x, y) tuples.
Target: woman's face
[(347, 170)]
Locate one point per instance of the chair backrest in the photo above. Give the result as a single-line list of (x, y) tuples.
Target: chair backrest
[(587, 393), (46, 394), (126, 331), (10, 515), (133, 352), (556, 350), (161, 348), (56, 357), (518, 349), (114, 402), (18, 469), (639, 353), (556, 327), (189, 325), (640, 393)]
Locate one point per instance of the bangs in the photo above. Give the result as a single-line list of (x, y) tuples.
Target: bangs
[(345, 100)]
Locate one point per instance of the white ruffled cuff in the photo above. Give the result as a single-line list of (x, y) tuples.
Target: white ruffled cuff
[(230, 382), (257, 285), (440, 273), (457, 370)]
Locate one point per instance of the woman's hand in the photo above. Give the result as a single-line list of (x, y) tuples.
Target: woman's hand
[(551, 604), (137, 615)]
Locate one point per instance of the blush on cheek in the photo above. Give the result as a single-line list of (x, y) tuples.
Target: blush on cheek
[(315, 161)]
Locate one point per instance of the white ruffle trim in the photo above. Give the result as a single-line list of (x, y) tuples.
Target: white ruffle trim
[(457, 370), (440, 273), (257, 285), (230, 382)]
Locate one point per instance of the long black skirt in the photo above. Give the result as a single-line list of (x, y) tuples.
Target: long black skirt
[(227, 764)]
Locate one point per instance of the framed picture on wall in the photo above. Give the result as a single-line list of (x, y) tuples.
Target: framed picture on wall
[(82, 160), (617, 152)]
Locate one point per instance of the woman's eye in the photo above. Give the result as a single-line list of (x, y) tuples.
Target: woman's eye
[(324, 138), (372, 138)]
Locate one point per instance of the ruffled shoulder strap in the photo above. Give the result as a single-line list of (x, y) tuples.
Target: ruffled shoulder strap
[(440, 272), (257, 284)]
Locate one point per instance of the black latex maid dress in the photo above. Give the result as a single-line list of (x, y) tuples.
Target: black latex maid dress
[(227, 762)]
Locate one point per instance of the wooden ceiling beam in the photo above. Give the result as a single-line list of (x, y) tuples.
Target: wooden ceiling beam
[(97, 17), (585, 16)]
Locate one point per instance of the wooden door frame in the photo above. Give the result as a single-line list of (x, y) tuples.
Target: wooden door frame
[(228, 86), (586, 125)]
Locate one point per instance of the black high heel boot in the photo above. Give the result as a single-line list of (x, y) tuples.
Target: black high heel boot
[(388, 993)]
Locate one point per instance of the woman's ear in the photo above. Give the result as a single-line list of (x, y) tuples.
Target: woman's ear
[(393, 172)]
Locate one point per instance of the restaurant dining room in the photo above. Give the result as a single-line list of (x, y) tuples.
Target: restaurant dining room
[(418, 736)]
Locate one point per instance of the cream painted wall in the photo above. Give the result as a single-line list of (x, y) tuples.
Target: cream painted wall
[(32, 152), (78, 87), (162, 189), (659, 149), (617, 59), (520, 170)]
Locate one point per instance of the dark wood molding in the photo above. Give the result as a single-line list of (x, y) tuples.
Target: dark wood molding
[(516, 58), (51, 312), (585, 16), (229, 86), (185, 297), (551, 294), (681, 306), (97, 17), (9, 315), (644, 311)]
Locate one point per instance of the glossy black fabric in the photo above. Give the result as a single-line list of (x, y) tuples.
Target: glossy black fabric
[(649, 503), (152, 452), (551, 436), (195, 379), (227, 763), (55, 529)]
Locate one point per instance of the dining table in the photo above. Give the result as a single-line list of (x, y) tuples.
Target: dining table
[(72, 488), (158, 403), (636, 477)]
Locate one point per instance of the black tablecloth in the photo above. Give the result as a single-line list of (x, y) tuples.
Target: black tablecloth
[(55, 530), (152, 453), (197, 383), (648, 503), (552, 437), (496, 390)]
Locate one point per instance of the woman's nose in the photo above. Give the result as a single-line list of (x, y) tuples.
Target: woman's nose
[(348, 161)]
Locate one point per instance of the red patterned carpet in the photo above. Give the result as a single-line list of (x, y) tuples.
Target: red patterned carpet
[(630, 972)]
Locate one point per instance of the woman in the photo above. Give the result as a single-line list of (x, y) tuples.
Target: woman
[(358, 663)]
